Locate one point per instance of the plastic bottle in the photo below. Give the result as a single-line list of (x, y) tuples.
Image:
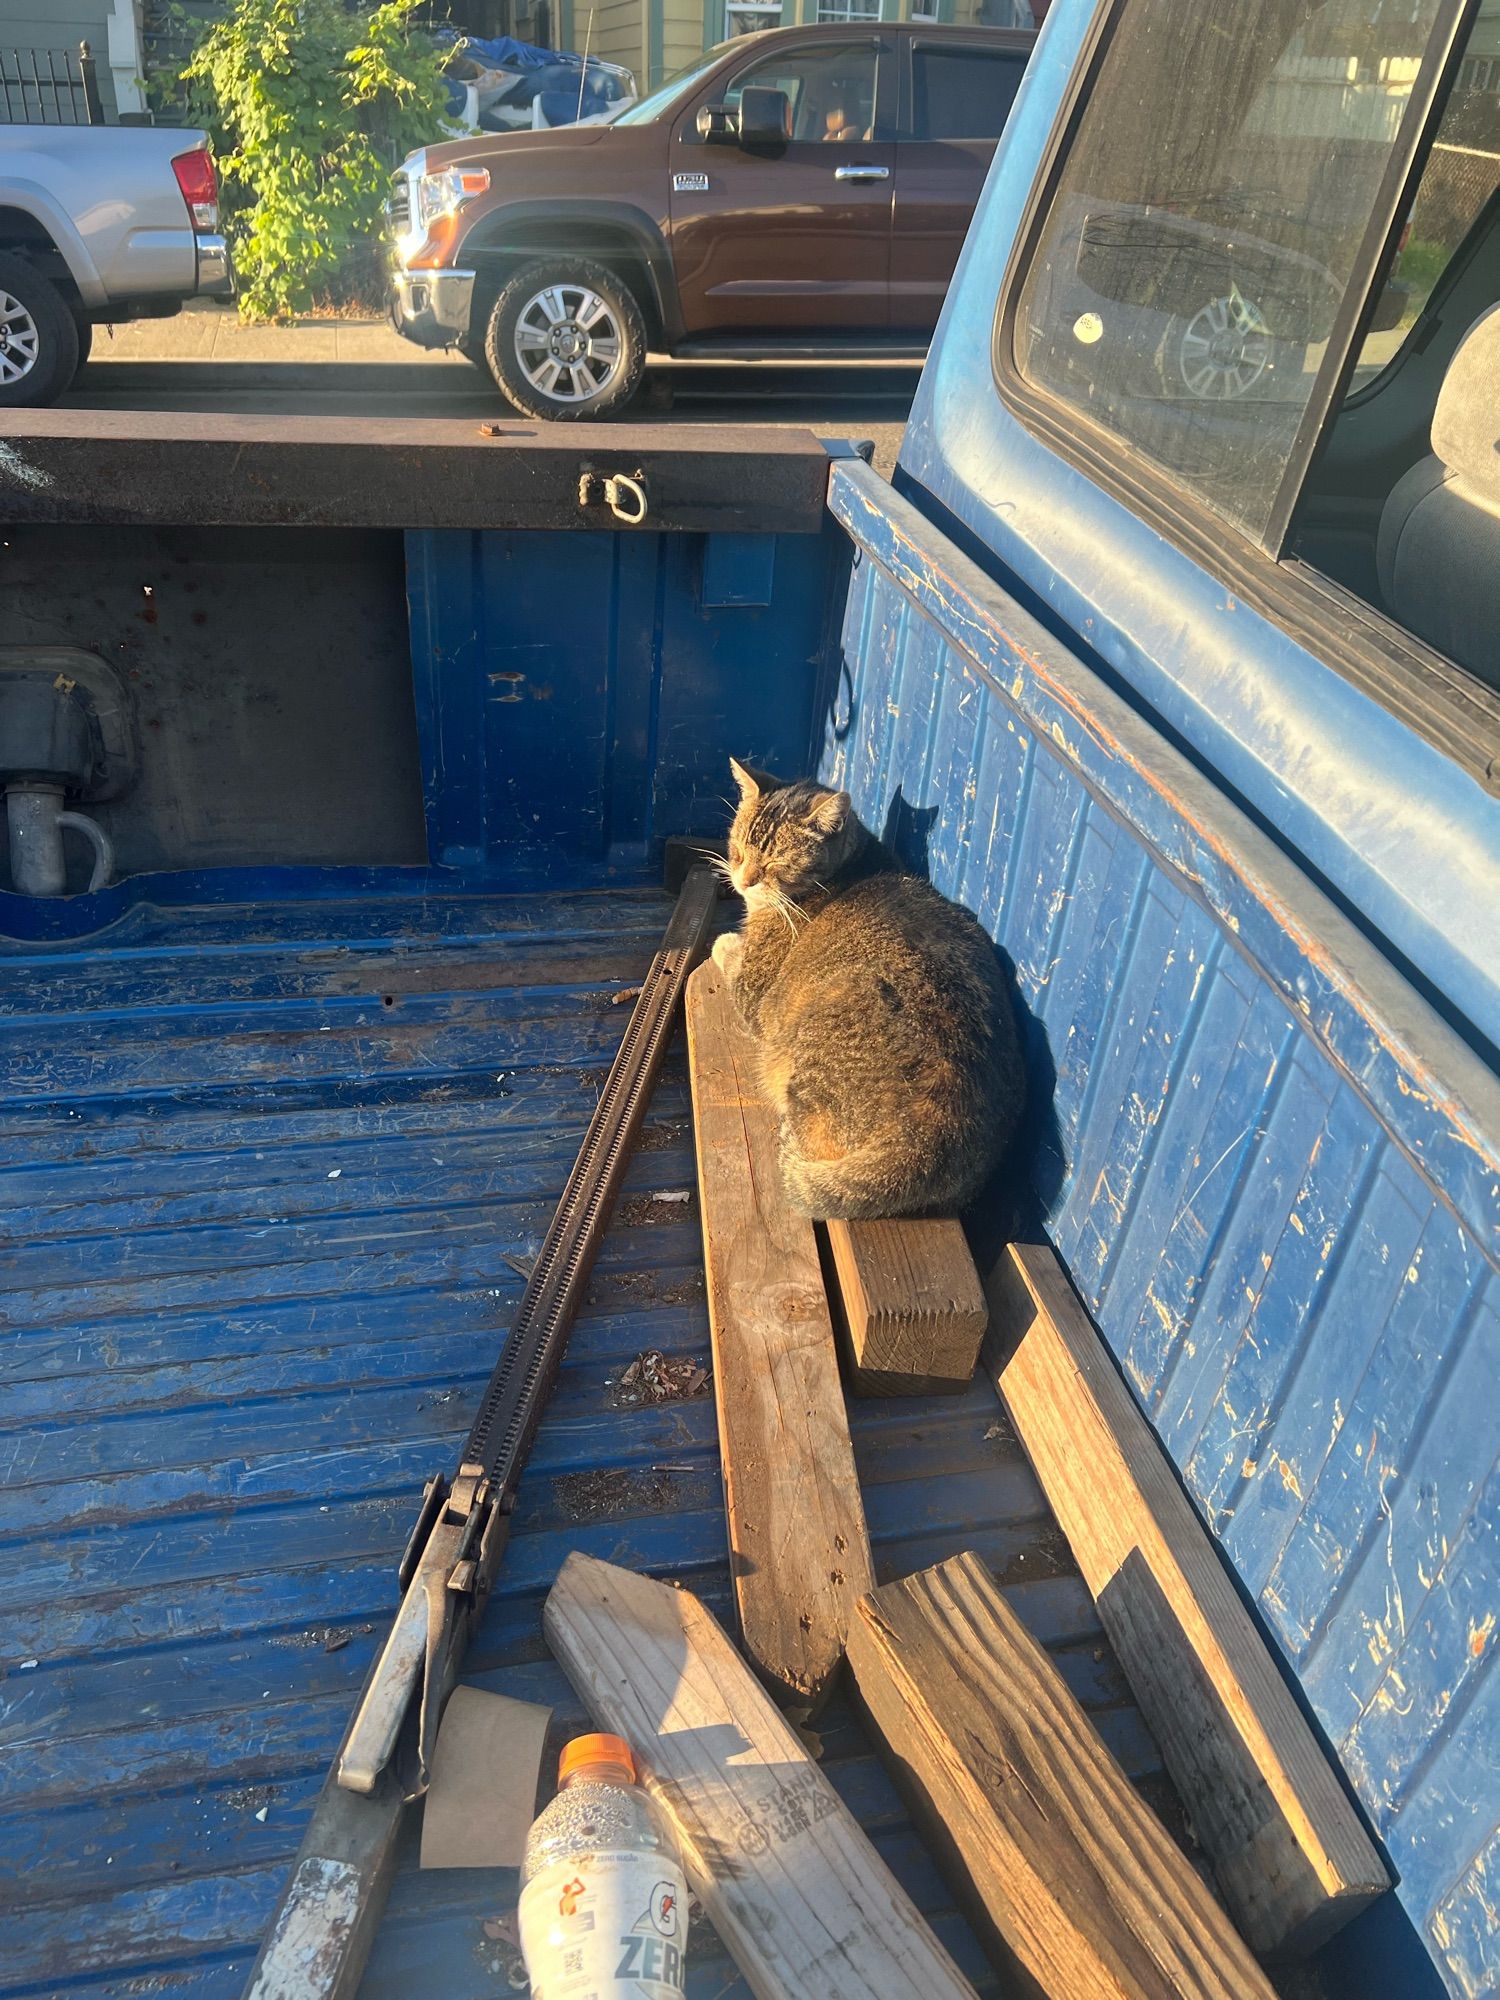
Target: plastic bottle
[(603, 1897)]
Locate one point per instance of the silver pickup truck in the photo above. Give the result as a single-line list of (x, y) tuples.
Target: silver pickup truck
[(98, 224)]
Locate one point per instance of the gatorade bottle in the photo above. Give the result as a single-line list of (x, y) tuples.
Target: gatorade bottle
[(603, 1897)]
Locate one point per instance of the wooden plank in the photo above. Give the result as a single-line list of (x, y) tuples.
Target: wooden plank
[(1290, 1853), (799, 1553), (787, 1876), (913, 1304), (1066, 1868)]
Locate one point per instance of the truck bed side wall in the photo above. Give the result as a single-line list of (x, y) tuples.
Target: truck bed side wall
[(1278, 1224)]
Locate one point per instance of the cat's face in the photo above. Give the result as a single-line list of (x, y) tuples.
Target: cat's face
[(785, 839)]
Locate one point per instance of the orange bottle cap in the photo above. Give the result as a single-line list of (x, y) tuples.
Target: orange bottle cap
[(585, 1750)]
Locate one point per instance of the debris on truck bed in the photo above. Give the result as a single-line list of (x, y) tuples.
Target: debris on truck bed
[(654, 1377)]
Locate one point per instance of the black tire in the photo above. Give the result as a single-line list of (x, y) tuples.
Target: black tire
[(607, 314), (85, 345), (38, 336)]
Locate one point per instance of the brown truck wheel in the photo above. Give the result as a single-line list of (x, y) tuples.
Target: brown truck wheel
[(566, 340)]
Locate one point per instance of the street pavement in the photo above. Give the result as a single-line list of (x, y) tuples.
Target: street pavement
[(207, 359)]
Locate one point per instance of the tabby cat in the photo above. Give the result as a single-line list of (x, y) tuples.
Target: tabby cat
[(883, 1024)]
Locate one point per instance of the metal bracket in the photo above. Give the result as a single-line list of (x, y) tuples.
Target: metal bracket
[(441, 1567), (623, 493)]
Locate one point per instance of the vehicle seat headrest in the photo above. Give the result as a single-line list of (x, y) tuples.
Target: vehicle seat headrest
[(1466, 422)]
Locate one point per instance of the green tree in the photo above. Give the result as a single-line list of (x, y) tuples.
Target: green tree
[(310, 104)]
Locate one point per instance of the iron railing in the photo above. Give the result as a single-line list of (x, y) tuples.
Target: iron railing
[(49, 87)]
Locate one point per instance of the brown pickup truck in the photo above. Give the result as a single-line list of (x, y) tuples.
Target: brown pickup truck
[(799, 194)]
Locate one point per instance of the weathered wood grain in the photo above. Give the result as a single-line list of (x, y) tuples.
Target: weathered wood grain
[(791, 1883), (799, 1552), (913, 1304), (1290, 1853), (1064, 1866)]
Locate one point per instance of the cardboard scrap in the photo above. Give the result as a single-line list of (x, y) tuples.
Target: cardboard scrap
[(485, 1767)]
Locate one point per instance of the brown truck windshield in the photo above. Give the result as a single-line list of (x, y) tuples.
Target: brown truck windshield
[(667, 96)]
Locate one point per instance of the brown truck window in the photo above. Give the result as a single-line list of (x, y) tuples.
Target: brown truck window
[(1205, 227), (832, 89), (963, 93)]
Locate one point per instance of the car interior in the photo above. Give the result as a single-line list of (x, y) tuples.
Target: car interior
[(1403, 505)]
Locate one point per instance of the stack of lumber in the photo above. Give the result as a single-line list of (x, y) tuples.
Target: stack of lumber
[(1074, 1886)]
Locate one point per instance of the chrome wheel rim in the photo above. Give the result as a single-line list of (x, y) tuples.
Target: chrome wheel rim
[(19, 340), (568, 343), (1225, 349)]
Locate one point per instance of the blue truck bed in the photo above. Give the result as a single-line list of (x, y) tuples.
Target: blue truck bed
[(284, 1112), (272, 1176)]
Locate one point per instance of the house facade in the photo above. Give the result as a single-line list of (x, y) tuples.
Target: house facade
[(112, 29), (656, 38)]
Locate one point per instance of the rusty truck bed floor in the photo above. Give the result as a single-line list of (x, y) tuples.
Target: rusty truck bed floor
[(272, 1175)]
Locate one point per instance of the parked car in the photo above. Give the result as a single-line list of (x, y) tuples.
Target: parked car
[(802, 192), (98, 224)]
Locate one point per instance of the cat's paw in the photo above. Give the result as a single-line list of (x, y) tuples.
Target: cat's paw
[(727, 952)]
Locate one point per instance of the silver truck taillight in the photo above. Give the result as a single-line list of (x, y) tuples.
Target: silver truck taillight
[(200, 187)]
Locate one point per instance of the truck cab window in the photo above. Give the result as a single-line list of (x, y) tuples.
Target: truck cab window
[(1204, 230), (831, 90), (963, 93)]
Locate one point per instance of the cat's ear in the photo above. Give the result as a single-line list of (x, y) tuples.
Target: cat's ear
[(751, 782), (830, 813)]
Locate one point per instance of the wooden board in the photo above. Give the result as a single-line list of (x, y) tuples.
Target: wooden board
[(913, 1304), (1290, 1853), (1067, 1871), (798, 1549), (792, 1885)]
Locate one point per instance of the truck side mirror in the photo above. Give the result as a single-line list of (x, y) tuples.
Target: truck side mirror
[(765, 117), (718, 125)]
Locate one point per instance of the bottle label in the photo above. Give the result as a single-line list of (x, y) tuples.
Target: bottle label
[(604, 1927)]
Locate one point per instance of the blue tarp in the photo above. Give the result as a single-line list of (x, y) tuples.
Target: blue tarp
[(551, 74)]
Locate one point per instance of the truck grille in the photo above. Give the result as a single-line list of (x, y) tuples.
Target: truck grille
[(398, 205)]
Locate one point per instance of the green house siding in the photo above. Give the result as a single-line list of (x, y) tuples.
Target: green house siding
[(62, 24)]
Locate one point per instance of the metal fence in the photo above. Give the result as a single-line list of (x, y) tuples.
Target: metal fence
[(49, 87)]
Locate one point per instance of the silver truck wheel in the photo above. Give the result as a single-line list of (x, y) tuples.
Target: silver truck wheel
[(566, 340), (38, 336), (19, 340)]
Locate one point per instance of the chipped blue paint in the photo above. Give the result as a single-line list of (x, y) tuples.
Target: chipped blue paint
[(576, 693), (1280, 1195)]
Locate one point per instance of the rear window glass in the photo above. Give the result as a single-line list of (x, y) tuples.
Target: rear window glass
[(963, 93), (1205, 226)]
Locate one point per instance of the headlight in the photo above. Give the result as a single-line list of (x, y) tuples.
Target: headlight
[(445, 193)]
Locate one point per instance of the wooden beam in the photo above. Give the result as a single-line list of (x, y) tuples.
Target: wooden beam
[(913, 1304), (791, 1883), (799, 1552), (1044, 1839), (1290, 1853)]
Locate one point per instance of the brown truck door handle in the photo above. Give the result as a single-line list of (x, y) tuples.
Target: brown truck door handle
[(861, 173)]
